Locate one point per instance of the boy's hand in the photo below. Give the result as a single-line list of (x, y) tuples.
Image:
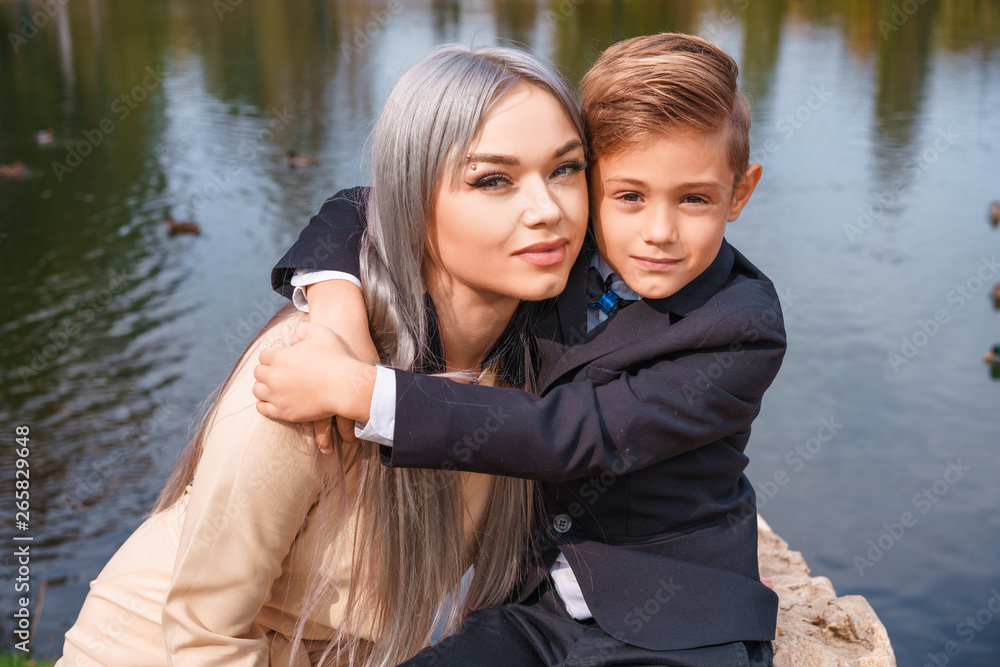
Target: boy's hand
[(314, 379)]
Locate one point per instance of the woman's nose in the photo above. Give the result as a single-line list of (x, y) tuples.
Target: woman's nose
[(541, 207)]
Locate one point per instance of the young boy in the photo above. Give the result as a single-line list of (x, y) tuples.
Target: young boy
[(645, 397)]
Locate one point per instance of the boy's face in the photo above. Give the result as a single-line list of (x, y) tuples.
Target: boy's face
[(660, 210)]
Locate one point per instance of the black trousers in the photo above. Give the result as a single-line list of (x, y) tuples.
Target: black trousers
[(539, 631)]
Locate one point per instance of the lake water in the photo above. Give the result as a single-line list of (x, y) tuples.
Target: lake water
[(878, 124)]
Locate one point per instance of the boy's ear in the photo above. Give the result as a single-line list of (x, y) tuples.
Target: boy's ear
[(741, 195)]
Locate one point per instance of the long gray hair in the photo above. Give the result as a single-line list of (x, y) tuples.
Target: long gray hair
[(430, 119), (409, 546)]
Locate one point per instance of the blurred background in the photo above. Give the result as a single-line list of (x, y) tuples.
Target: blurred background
[(878, 125)]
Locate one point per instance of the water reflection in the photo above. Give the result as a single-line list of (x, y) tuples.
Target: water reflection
[(762, 30), (582, 30), (902, 59), (992, 359), (516, 20), (114, 331)]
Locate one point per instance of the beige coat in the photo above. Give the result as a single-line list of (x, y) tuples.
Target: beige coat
[(219, 578)]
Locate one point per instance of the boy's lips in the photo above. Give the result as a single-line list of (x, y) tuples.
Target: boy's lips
[(546, 253), (656, 263)]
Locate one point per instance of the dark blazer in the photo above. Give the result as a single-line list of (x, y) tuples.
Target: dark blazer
[(637, 436)]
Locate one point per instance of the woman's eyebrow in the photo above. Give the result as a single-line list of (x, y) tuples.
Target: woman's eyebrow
[(514, 161), (570, 145), (495, 158)]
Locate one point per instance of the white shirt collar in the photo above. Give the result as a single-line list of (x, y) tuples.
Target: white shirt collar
[(620, 287)]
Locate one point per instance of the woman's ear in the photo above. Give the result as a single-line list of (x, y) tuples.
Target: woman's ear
[(741, 195)]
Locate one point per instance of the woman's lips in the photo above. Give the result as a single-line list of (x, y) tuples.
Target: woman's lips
[(543, 254), (656, 263)]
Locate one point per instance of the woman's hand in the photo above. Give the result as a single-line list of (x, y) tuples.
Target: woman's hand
[(340, 305), (313, 379)]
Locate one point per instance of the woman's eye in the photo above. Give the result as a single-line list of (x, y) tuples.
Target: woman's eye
[(630, 197), (569, 168), (490, 181)]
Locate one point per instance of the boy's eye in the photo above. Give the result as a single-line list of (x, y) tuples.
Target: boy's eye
[(694, 199), (490, 180)]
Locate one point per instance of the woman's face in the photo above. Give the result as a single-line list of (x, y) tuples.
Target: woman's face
[(512, 224)]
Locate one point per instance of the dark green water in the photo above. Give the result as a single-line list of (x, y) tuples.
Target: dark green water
[(878, 124)]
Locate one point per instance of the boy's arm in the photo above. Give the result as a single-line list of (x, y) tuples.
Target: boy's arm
[(580, 429), (331, 240)]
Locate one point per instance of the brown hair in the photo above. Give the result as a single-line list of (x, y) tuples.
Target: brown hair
[(654, 84)]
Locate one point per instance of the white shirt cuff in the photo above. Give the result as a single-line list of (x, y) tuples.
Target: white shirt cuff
[(382, 423), (568, 589), (305, 277)]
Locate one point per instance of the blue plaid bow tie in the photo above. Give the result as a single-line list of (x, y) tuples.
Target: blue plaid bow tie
[(600, 295)]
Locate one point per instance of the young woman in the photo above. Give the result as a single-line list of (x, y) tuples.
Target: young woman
[(274, 555)]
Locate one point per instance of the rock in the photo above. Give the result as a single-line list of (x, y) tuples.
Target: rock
[(815, 627)]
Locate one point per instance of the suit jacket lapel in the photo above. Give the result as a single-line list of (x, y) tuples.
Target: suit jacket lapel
[(565, 325), (572, 303), (634, 324)]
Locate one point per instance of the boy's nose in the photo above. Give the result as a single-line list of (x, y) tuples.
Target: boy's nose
[(659, 228)]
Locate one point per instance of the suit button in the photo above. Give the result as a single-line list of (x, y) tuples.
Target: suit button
[(562, 523)]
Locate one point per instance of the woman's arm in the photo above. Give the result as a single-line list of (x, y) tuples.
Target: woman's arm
[(254, 485), (340, 305), (332, 241)]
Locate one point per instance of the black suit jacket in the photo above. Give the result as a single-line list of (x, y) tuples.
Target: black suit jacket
[(637, 436)]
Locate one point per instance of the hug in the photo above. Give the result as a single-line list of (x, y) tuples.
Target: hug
[(520, 305)]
